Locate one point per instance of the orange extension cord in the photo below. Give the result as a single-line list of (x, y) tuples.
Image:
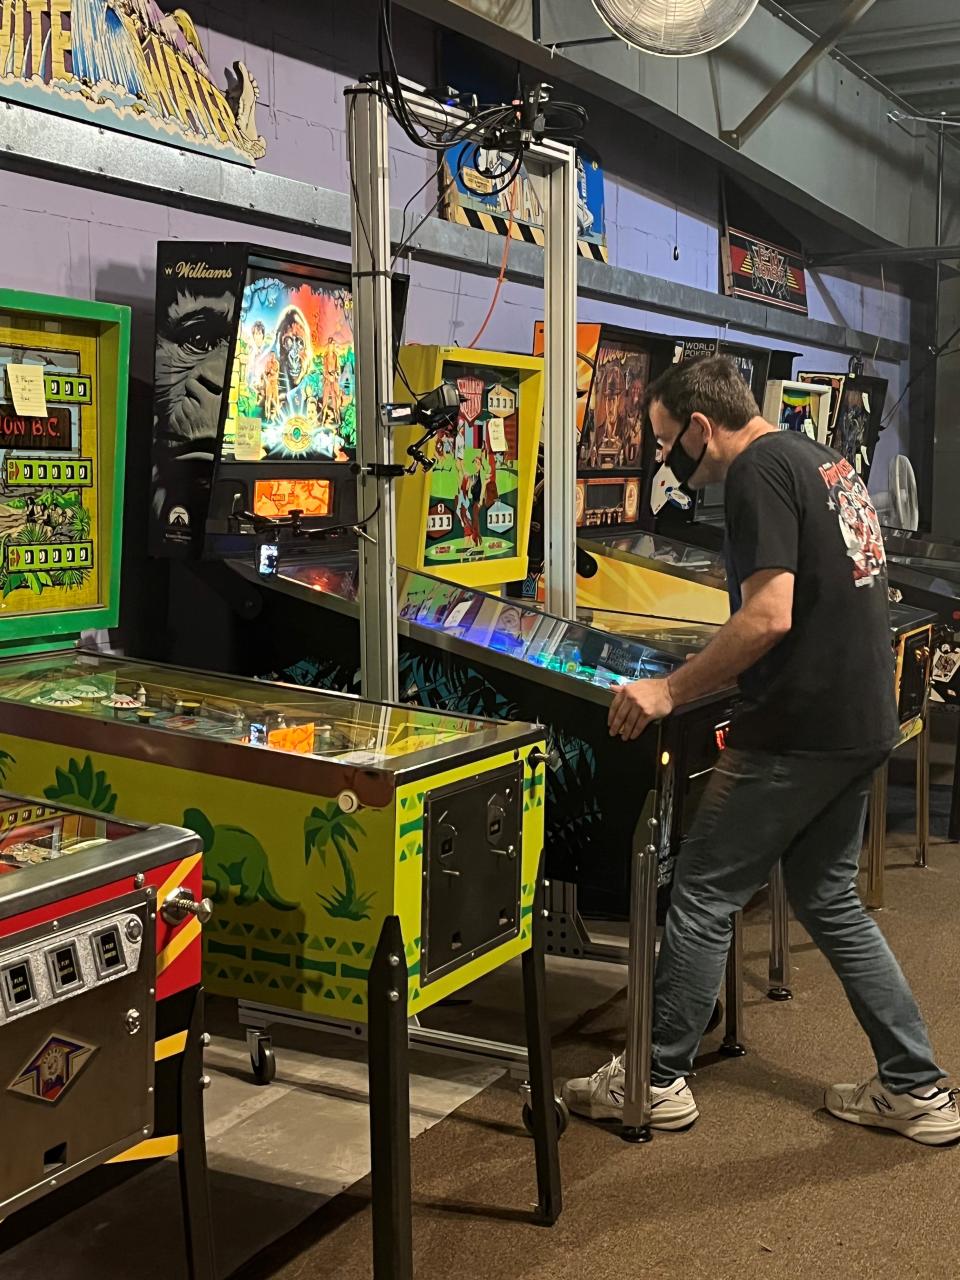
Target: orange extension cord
[(503, 264)]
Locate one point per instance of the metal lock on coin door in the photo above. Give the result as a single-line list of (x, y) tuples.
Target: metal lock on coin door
[(77, 1031), (471, 868)]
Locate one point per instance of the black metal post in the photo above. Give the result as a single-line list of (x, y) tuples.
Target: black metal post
[(389, 1072), (732, 1046), (953, 831), (539, 1056), (192, 1153)]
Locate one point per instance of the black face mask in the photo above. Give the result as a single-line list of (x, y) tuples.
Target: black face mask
[(680, 462)]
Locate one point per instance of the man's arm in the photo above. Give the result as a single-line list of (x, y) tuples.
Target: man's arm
[(762, 622)]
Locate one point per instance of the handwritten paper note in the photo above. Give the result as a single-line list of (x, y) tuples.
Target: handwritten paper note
[(497, 435), (26, 390), (248, 444)]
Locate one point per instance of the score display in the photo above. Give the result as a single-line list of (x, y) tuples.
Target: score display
[(50, 472)]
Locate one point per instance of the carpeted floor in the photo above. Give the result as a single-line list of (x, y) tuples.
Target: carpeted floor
[(766, 1185)]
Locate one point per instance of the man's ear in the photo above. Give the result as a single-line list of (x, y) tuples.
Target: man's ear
[(706, 426)]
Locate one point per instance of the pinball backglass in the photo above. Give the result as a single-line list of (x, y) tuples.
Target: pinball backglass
[(468, 517), (255, 397), (63, 366), (856, 415)]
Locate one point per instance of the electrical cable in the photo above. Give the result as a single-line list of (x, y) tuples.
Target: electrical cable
[(938, 352), (433, 177), (507, 241)]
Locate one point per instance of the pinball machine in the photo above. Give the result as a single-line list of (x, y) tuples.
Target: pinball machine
[(463, 527), (614, 368), (924, 571), (288, 791), (101, 1016)]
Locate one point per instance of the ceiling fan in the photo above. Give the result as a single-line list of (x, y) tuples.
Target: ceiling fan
[(675, 28)]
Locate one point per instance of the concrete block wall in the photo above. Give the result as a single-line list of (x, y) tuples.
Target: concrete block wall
[(660, 196)]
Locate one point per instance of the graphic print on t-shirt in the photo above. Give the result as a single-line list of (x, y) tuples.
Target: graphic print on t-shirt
[(859, 523)]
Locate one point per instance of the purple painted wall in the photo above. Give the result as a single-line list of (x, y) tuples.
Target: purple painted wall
[(66, 240)]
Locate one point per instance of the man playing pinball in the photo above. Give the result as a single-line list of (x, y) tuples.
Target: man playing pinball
[(803, 568)]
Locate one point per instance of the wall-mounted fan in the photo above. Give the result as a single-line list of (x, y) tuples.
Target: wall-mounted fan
[(675, 28), (898, 507)]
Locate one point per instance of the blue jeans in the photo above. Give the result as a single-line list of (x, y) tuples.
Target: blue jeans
[(809, 812)]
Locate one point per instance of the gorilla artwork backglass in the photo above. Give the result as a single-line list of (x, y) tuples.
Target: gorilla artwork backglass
[(254, 396)]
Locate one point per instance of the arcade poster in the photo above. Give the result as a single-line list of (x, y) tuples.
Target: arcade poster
[(473, 484), (292, 382), (473, 193), (612, 435), (49, 458)]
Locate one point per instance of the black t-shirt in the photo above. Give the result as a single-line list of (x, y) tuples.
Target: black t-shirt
[(829, 684)]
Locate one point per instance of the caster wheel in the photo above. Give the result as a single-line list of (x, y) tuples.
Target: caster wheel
[(561, 1114), (715, 1018), (779, 994), (264, 1062)]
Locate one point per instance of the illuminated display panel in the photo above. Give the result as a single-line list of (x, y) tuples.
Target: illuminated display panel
[(612, 436), (275, 498), (292, 381)]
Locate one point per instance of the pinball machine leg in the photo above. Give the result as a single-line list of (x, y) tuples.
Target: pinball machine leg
[(732, 1046), (953, 829), (389, 1072), (923, 794), (545, 1123), (641, 966), (779, 976), (877, 839), (192, 1154)]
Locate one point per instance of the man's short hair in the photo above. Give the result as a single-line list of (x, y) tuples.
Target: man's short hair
[(713, 386)]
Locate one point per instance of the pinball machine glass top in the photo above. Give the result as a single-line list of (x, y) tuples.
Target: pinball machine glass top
[(583, 651), (234, 711), (33, 833), (293, 377)]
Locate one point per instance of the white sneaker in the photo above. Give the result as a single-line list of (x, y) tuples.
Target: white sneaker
[(600, 1097), (932, 1120)]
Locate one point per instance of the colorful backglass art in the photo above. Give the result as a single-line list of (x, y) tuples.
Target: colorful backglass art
[(58, 423), (276, 498), (612, 435), (473, 486), (292, 383)]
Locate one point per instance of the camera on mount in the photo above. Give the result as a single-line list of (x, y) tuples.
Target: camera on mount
[(437, 411)]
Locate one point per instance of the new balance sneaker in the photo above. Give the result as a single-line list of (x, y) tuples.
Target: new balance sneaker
[(600, 1097), (929, 1116)]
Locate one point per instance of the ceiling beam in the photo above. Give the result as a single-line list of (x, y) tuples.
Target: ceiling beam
[(852, 13), (873, 257)]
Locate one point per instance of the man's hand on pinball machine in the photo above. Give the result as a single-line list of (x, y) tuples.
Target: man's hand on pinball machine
[(636, 705)]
